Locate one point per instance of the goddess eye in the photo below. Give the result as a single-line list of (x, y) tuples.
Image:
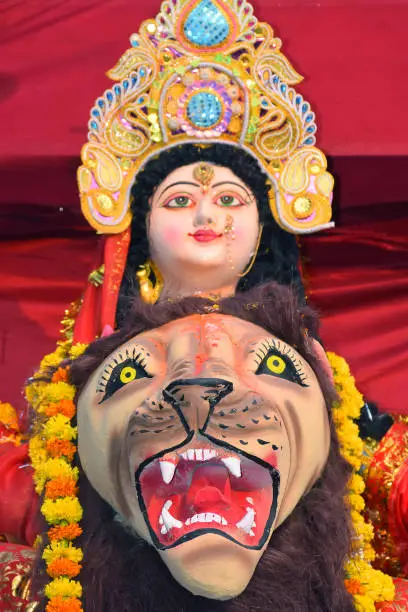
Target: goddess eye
[(274, 362), (180, 201), (120, 373), (228, 200)]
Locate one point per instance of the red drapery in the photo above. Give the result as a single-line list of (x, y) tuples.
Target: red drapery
[(352, 52)]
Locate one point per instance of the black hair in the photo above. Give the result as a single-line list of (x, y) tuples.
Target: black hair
[(278, 254)]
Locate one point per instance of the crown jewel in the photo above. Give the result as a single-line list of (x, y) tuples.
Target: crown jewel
[(205, 71)]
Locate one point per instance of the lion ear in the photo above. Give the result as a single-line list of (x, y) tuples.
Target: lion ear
[(320, 353)]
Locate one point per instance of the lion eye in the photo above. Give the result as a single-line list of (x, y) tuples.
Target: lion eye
[(277, 364), (122, 374)]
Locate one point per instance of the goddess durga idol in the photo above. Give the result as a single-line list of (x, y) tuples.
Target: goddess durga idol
[(200, 173)]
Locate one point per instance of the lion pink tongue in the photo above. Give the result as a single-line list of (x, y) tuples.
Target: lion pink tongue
[(210, 489)]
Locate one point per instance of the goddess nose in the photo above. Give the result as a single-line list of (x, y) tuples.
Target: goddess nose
[(194, 399), (203, 214)]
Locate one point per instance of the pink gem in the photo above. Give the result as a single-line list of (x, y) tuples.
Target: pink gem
[(246, 10), (240, 2), (107, 331), (163, 35), (168, 10), (248, 36), (251, 23)]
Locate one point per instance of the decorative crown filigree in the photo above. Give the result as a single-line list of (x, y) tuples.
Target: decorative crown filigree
[(205, 71)]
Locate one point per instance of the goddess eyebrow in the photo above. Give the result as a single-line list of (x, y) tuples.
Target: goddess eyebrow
[(178, 183), (232, 183)]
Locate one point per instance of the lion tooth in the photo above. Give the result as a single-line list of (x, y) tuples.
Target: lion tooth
[(191, 454), (251, 533), (163, 529), (199, 454), (247, 521), (169, 520), (167, 470), (233, 464)]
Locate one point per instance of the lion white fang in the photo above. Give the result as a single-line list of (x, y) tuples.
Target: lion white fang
[(247, 522), (166, 520), (167, 469)]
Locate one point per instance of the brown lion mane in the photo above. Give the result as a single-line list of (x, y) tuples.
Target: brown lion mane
[(302, 567)]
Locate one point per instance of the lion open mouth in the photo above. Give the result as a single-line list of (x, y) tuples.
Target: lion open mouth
[(208, 489)]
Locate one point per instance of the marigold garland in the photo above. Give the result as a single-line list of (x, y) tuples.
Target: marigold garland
[(367, 585), (52, 448)]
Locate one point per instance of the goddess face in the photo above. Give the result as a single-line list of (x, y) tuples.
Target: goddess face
[(203, 227), (203, 435)]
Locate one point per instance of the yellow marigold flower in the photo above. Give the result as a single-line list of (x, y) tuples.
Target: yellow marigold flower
[(62, 550), (356, 484), (363, 603), (57, 468), (53, 359), (356, 502), (36, 449), (59, 426), (62, 509), (63, 587), (77, 350), (364, 530), (54, 392)]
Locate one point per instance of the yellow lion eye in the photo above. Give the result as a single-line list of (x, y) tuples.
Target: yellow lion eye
[(275, 364), (127, 375)]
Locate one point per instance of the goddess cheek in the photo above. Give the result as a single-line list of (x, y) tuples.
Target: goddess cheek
[(166, 237)]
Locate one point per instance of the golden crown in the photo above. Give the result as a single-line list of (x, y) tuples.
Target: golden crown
[(205, 71)]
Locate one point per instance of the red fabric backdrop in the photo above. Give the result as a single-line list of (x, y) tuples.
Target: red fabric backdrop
[(353, 53)]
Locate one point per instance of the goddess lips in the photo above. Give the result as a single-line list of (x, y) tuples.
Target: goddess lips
[(203, 235)]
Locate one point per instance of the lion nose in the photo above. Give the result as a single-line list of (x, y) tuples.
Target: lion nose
[(195, 398)]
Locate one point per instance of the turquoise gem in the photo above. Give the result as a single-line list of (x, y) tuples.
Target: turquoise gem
[(204, 109), (206, 26)]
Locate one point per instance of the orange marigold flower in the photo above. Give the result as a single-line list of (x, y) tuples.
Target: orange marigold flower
[(65, 532), (61, 487), (63, 567), (58, 604), (65, 407), (60, 374), (61, 448), (353, 586)]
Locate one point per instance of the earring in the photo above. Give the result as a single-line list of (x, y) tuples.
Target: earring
[(148, 292), (251, 263), (229, 234)]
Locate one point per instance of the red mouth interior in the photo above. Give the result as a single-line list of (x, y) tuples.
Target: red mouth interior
[(205, 495)]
